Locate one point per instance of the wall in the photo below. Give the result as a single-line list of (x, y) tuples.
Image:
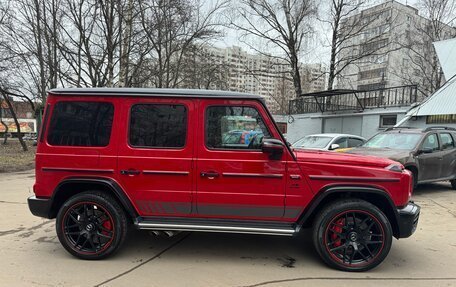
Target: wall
[(306, 124)]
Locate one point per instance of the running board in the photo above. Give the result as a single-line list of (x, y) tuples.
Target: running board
[(217, 226)]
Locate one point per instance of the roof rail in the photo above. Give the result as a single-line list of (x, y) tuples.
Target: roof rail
[(439, 128), (397, 128)]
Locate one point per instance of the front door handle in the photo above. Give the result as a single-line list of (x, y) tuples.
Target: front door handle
[(130, 172), (209, 174)]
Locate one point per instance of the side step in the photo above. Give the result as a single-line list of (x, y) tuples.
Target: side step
[(216, 225)]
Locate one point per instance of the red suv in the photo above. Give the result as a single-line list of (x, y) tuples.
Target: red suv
[(159, 159)]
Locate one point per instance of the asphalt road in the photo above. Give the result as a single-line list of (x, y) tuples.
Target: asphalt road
[(31, 255)]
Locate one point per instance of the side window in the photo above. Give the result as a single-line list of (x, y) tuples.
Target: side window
[(81, 124), (447, 141), (431, 142), (234, 127), (158, 126), (342, 142), (354, 142)]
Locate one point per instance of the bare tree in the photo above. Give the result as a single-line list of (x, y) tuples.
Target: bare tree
[(437, 24), (171, 27), (7, 99), (202, 69), (347, 25), (285, 24)]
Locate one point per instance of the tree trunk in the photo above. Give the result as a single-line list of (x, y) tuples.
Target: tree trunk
[(18, 126), (5, 138)]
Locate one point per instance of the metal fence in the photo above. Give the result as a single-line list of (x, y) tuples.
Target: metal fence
[(356, 100)]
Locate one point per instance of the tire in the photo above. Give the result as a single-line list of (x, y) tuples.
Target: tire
[(453, 183), (414, 177), (91, 225), (352, 235)]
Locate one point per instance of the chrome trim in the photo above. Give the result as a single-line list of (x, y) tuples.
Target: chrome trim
[(63, 169), (355, 179), (208, 228), (165, 172), (262, 175)]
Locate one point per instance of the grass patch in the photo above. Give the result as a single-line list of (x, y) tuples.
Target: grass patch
[(12, 158)]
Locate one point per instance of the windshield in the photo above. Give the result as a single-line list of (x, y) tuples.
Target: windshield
[(394, 141), (312, 142)]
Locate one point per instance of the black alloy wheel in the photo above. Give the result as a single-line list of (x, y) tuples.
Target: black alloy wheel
[(352, 235), (91, 225)]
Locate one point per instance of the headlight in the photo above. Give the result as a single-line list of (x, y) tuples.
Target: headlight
[(395, 167)]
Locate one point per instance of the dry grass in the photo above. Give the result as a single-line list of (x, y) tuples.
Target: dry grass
[(12, 158)]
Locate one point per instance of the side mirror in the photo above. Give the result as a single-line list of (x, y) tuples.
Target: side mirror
[(426, 150), (334, 146), (272, 146)]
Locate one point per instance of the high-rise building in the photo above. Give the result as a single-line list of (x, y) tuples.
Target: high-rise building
[(392, 47), (266, 76)]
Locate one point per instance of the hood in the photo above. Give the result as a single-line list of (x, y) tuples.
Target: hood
[(394, 154), (341, 158)]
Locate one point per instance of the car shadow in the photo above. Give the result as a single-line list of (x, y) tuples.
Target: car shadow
[(235, 248), (441, 187)]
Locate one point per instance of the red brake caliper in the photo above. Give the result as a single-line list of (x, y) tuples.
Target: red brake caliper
[(107, 226), (337, 228)]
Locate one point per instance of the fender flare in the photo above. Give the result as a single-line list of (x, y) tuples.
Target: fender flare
[(118, 192), (319, 198)]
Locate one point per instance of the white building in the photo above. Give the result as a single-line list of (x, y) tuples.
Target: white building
[(395, 49)]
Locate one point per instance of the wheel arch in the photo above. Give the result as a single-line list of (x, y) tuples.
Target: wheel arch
[(372, 195), (72, 186)]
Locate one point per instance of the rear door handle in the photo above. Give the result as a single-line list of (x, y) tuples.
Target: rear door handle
[(209, 174), (130, 172)]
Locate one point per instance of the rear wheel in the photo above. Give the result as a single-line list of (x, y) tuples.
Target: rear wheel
[(91, 225), (352, 235)]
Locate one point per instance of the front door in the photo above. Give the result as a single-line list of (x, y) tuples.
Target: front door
[(235, 179), (155, 155), (430, 159)]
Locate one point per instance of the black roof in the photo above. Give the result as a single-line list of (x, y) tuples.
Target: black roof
[(150, 92), (329, 93)]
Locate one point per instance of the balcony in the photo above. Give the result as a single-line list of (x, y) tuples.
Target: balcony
[(353, 100)]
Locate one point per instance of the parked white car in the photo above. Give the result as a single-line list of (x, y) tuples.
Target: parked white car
[(339, 142)]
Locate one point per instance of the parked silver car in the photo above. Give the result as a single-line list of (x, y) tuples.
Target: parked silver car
[(339, 142)]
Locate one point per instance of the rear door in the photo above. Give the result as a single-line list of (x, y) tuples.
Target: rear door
[(155, 155), (235, 179), (448, 154)]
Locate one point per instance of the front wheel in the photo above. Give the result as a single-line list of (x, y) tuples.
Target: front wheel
[(352, 235), (91, 225), (453, 183)]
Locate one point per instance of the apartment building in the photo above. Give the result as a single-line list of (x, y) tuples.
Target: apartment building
[(392, 47), (266, 76)]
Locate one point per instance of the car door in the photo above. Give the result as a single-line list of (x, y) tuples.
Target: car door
[(235, 179), (155, 155), (448, 155), (430, 158)]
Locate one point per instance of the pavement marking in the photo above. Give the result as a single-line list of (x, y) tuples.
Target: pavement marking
[(144, 262), (352, 278), (12, 202)]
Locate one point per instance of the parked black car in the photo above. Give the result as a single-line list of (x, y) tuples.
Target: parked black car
[(430, 154)]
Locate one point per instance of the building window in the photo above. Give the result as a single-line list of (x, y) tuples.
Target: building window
[(387, 121), (441, 119), (158, 125)]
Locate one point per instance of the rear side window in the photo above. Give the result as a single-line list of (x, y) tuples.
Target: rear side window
[(158, 126), (81, 124), (447, 141)]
